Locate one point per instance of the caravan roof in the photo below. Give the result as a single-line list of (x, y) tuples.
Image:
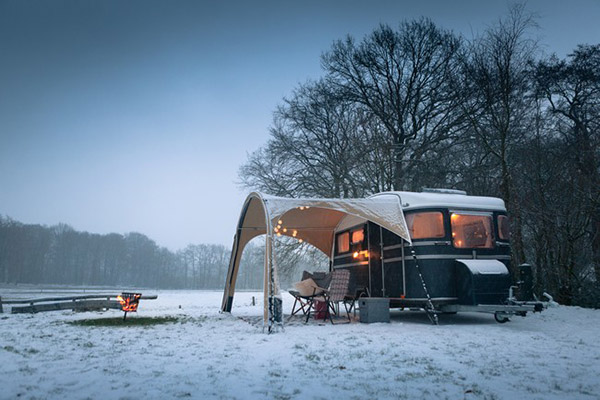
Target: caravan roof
[(444, 199)]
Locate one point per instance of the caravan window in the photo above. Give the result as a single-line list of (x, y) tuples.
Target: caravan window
[(358, 236), (472, 231), (426, 225), (343, 242), (503, 228)]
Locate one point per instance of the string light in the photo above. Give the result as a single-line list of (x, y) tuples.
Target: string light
[(364, 253)]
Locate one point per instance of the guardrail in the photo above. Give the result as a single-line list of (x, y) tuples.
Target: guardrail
[(75, 303)]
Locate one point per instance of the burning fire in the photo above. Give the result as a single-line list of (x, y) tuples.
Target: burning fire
[(129, 301)]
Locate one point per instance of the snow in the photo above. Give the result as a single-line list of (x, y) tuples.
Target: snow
[(552, 355), (416, 200), (485, 267)]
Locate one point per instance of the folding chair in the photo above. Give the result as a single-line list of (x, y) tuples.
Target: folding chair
[(306, 292), (300, 301), (336, 292)]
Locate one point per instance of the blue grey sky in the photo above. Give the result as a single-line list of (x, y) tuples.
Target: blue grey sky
[(119, 116)]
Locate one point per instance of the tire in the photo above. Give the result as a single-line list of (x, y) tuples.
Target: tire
[(501, 318)]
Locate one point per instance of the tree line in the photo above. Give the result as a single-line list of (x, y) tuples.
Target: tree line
[(419, 106), (38, 254)]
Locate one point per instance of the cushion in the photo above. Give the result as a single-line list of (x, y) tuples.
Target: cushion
[(307, 287)]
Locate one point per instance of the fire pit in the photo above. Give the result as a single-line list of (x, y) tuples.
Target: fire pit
[(129, 302)]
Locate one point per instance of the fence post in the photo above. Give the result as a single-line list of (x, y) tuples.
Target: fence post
[(1, 310)]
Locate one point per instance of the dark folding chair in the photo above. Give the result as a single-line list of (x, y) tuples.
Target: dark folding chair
[(335, 294), (302, 302)]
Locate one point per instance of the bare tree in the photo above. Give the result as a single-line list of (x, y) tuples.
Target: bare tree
[(498, 100), (571, 90), (404, 79), (318, 147)]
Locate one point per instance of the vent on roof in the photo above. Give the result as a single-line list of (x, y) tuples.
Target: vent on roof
[(445, 191)]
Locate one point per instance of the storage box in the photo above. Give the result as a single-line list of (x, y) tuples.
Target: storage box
[(374, 309)]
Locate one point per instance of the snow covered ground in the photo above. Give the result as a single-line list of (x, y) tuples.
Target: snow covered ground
[(553, 355)]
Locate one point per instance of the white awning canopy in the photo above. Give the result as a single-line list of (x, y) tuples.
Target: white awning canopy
[(308, 219)]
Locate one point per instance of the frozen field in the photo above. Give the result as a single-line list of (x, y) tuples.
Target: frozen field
[(553, 355)]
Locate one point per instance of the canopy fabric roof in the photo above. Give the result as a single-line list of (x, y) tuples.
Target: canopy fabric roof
[(315, 220), (311, 220)]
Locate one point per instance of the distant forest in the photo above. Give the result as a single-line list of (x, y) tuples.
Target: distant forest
[(59, 254)]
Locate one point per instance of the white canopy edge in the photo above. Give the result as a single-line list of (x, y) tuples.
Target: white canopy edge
[(384, 211)]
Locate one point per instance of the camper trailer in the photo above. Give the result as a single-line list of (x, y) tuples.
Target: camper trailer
[(459, 259), (438, 250)]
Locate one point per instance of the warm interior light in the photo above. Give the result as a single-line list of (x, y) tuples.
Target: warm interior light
[(301, 208), (455, 216), (294, 233), (280, 222), (355, 255), (284, 230), (276, 229), (300, 240), (278, 233)]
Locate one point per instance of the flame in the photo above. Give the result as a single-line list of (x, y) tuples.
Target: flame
[(130, 302)]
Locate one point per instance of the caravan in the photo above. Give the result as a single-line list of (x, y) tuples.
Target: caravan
[(439, 250)]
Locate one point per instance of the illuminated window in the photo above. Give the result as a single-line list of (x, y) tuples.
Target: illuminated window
[(358, 236), (472, 231), (343, 242), (426, 225), (503, 227)]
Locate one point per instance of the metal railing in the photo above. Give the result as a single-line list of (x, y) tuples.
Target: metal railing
[(75, 303)]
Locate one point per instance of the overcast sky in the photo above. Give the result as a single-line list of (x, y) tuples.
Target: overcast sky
[(120, 116)]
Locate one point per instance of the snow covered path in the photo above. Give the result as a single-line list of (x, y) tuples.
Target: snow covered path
[(553, 355)]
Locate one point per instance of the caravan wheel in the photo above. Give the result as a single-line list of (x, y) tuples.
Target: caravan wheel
[(501, 318)]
